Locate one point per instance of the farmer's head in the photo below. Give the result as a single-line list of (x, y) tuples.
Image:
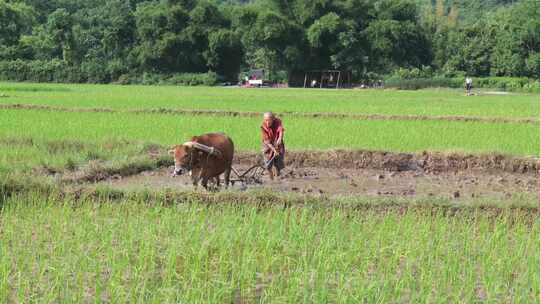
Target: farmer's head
[(268, 118)]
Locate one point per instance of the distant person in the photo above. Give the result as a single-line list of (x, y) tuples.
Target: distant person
[(468, 85), (273, 147)]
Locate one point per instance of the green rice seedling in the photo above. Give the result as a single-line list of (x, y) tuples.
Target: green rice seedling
[(301, 133), (58, 251), (433, 102), (21, 154)]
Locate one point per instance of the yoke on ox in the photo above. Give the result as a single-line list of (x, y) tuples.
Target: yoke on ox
[(205, 158)]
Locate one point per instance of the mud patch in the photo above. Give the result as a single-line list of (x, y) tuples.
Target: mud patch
[(96, 171), (341, 161), (325, 182)]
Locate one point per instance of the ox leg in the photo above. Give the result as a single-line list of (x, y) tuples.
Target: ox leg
[(195, 177), (204, 183), (195, 181), (227, 177)]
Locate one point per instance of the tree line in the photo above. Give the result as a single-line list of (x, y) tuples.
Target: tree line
[(103, 41)]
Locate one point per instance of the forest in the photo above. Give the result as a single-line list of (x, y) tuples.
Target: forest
[(103, 41)]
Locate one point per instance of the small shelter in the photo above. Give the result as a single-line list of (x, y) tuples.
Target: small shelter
[(256, 77), (328, 79)]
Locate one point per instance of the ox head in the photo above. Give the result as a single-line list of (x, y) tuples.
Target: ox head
[(183, 158), (187, 155)]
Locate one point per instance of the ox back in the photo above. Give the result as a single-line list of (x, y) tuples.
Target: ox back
[(215, 165)]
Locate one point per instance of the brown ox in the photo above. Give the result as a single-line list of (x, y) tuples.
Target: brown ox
[(205, 157)]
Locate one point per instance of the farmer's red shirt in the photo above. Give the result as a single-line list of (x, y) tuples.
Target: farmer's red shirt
[(270, 134)]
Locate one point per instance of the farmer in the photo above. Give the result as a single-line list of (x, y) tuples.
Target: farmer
[(273, 147), (468, 85)]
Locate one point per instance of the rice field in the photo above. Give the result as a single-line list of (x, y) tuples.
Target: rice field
[(434, 102), (102, 135), (302, 133), (115, 248), (128, 252)]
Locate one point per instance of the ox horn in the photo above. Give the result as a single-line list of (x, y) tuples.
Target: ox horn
[(205, 148)]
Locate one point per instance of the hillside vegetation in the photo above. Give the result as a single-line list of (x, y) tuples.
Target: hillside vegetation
[(148, 41)]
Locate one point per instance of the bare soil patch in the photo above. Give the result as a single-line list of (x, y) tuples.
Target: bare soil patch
[(340, 160), (346, 173), (494, 93), (339, 182), (426, 162)]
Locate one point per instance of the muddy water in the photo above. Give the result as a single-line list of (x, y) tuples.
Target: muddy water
[(362, 182)]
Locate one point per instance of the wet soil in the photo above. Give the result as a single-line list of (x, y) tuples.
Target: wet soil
[(459, 185), (426, 162)]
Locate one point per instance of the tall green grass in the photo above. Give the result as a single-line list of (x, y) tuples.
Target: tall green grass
[(426, 102), (301, 133), (132, 252), (67, 154)]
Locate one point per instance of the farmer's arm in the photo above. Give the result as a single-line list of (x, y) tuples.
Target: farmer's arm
[(266, 140), (279, 139)]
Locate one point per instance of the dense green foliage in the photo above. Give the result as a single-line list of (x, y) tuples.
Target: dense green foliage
[(105, 41), (512, 84), (465, 11)]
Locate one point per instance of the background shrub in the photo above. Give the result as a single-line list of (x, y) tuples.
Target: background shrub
[(511, 84), (95, 71)]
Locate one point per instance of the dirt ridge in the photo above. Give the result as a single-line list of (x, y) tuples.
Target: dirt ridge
[(18, 106), (427, 162)]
